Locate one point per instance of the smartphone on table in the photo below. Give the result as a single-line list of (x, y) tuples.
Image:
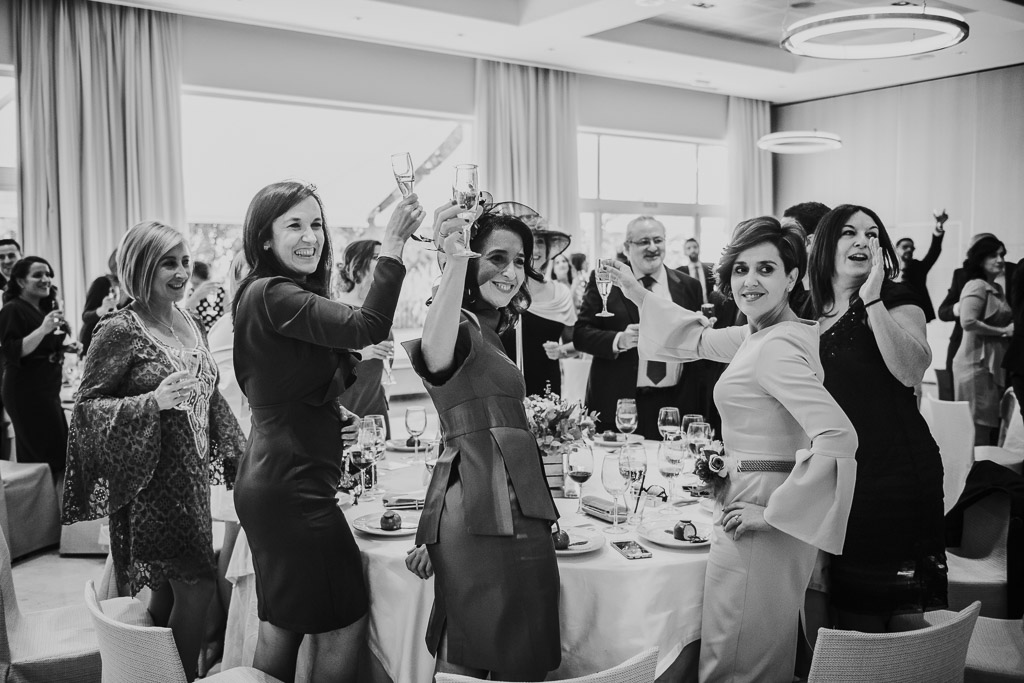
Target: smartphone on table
[(631, 550)]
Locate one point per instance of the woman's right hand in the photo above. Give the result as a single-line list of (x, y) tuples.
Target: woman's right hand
[(625, 280), (174, 389), (1008, 330), (52, 321), (405, 220), (381, 351)]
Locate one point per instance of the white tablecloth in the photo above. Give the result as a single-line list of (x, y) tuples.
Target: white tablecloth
[(611, 608)]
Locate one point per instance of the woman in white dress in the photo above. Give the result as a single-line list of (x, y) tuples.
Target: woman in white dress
[(790, 451)]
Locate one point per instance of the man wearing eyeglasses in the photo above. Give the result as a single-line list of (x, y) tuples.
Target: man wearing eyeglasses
[(617, 371)]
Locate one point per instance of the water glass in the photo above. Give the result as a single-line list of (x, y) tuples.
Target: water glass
[(615, 484), (633, 467), (669, 423), (416, 423), (626, 415)]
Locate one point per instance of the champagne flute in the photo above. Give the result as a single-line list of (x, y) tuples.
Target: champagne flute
[(580, 467), (615, 484), (626, 416), (668, 423), (58, 304), (405, 176), (389, 362), (633, 468), (466, 192), (603, 278)]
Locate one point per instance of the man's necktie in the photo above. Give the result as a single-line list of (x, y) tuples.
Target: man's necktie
[(656, 370)]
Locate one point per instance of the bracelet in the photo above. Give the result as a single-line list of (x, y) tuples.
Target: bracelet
[(872, 303)]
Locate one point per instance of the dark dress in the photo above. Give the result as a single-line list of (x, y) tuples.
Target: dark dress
[(149, 469), (894, 558), (538, 369), (309, 574), (31, 387), (366, 395), (98, 291), (488, 513)]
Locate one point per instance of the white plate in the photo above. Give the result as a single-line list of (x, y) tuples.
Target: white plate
[(398, 446), (660, 532), (630, 438), (370, 524), (589, 542)]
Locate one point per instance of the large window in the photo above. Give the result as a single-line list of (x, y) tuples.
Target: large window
[(681, 183), (233, 146), (8, 158)]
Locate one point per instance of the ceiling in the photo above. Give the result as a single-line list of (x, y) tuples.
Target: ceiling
[(724, 46)]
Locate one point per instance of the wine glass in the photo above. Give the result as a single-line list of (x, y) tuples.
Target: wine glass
[(668, 423), (603, 278), (466, 192), (416, 424), (362, 454), (698, 435), (401, 165), (431, 453), (671, 464), (633, 468), (625, 416), (379, 440), (615, 484), (389, 362), (580, 467), (58, 304)]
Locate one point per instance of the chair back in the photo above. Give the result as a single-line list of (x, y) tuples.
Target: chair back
[(1011, 431), (10, 613), (133, 653), (936, 654), (638, 669), (986, 527), (952, 427)]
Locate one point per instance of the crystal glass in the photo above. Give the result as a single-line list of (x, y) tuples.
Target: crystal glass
[(669, 423), (633, 468), (625, 415), (603, 279), (431, 452), (615, 484), (362, 454), (416, 422), (401, 165), (579, 465), (466, 192), (698, 435), (375, 441), (672, 462), (389, 362)]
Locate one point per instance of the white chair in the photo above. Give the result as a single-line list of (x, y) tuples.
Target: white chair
[(32, 512), (978, 568), (952, 427), (935, 654), (50, 646), (638, 669), (1010, 451), (132, 653), (82, 538)]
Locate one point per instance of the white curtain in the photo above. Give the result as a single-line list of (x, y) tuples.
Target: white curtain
[(750, 168), (99, 108), (526, 132)]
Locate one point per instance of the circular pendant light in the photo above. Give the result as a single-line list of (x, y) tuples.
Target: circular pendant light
[(799, 142), (875, 33)]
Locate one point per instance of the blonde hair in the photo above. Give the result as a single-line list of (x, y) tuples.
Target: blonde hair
[(141, 249)]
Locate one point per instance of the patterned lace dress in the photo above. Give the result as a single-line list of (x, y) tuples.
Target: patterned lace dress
[(149, 470)]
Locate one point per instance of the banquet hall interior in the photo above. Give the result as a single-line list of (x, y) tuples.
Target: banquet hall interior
[(593, 113)]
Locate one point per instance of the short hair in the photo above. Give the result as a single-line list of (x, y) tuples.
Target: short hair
[(823, 253), (140, 251), (905, 239), (21, 270), (201, 269), (788, 239), (691, 239), (641, 219), (355, 263), (974, 264), (10, 241), (808, 214), (577, 259)]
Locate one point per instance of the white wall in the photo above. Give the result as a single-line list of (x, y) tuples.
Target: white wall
[(6, 33)]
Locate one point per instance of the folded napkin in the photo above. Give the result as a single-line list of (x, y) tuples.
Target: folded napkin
[(404, 501)]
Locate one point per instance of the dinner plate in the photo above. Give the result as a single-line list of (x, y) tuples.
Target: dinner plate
[(370, 524), (398, 445), (630, 438), (660, 532), (582, 541)]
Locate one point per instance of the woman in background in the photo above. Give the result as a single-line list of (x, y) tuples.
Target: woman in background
[(561, 270), (580, 275), (104, 296)]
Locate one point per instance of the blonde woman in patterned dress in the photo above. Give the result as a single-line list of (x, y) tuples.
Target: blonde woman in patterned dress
[(149, 434)]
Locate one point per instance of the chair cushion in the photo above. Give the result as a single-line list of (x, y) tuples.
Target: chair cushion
[(127, 611), (54, 634)]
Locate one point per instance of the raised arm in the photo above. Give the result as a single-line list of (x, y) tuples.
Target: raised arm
[(934, 249)]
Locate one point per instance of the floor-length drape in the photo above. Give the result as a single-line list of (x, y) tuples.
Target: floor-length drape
[(99, 108), (750, 168), (526, 127)]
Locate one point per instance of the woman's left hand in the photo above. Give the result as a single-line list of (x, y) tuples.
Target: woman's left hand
[(872, 287), (418, 562), (739, 518), (381, 351)]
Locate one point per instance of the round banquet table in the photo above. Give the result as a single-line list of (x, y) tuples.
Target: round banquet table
[(611, 608)]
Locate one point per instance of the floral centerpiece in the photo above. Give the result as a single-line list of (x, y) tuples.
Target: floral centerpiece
[(710, 468), (556, 423)]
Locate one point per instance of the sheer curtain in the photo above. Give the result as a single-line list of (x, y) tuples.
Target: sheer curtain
[(99, 107), (526, 127), (750, 168)]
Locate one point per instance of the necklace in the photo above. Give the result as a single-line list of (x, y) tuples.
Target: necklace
[(169, 326)]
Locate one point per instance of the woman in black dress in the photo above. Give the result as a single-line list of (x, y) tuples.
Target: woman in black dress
[(288, 336), (486, 524), (875, 351), (32, 336), (103, 296)]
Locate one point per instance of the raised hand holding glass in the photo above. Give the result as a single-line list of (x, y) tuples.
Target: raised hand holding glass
[(466, 193)]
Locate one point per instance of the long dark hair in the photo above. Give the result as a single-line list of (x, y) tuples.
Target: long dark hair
[(20, 272), (788, 238), (355, 263), (269, 204), (980, 251), (823, 253)]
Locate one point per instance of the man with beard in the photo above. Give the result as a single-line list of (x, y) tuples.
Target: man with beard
[(617, 371), (914, 273)]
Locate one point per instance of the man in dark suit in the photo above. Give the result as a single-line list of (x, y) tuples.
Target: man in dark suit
[(698, 270), (914, 273), (616, 371), (1013, 361)]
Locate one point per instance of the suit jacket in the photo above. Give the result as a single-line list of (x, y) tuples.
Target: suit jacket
[(953, 297), (709, 277), (916, 272), (613, 376), (1014, 359)]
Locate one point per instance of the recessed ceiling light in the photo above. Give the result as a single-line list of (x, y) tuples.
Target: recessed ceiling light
[(804, 4), (902, 3), (799, 142), (703, 5)]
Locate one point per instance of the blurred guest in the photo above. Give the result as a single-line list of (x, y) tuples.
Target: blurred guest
[(695, 268), (366, 395), (807, 215), (222, 344), (486, 524), (206, 301), (987, 321), (104, 296), (288, 332), (914, 273), (580, 275), (544, 331), (874, 349), (10, 252), (1013, 362), (561, 270), (32, 336), (150, 433), (617, 371)]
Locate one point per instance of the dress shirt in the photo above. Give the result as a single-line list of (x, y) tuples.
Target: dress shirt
[(673, 371)]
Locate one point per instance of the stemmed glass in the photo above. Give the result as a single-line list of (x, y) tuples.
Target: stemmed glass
[(671, 463), (379, 440), (625, 416), (603, 278), (668, 423), (466, 192), (416, 424), (615, 484), (362, 456), (389, 362), (405, 176), (580, 467), (430, 456), (698, 435), (633, 468)]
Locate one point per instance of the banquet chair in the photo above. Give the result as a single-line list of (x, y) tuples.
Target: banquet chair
[(49, 646), (638, 669), (31, 506), (1010, 451), (935, 653), (952, 427), (133, 652), (977, 569)]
